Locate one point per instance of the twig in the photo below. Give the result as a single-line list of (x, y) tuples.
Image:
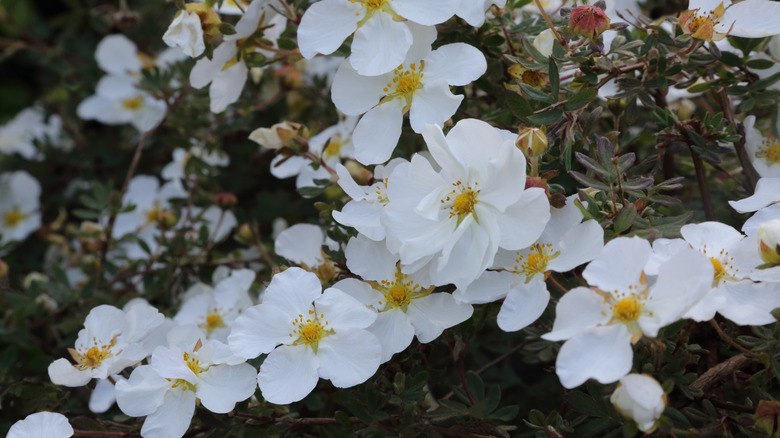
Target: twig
[(549, 22), (739, 146), (720, 371), (701, 180)]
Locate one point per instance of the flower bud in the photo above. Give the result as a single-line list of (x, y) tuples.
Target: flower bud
[(640, 398), (588, 21), (289, 76), (533, 142), (769, 242), (3, 269), (209, 19), (247, 234), (225, 200), (277, 136)]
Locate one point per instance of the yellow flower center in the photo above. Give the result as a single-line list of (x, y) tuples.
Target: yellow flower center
[(770, 150), (405, 83), (400, 292), (193, 364), (213, 321), (13, 218), (536, 261), (461, 200), (720, 270), (133, 104), (309, 331), (627, 310), (334, 147), (94, 356)]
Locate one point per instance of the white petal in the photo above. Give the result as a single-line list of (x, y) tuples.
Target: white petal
[(41, 425), (259, 329), (712, 235), (522, 223), (457, 64), (524, 304), (429, 12), (394, 332), (370, 259), (433, 314), (767, 192), (578, 310), (603, 353), (365, 217), (749, 303), (116, 54), (377, 132), (354, 94), (619, 265), (349, 358), (301, 243), (172, 418), (432, 105), (582, 243), (103, 396), (205, 70), (751, 19), (142, 393), (288, 374), (226, 86), (380, 45), (342, 311), (222, 386), (325, 25), (489, 287), (62, 372)]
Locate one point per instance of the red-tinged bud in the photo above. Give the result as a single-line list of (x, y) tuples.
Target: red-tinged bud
[(588, 21), (225, 200), (289, 76)]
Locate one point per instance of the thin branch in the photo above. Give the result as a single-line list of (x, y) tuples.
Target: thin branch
[(701, 180)]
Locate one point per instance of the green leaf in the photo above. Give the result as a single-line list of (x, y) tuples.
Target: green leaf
[(535, 94), (760, 64), (730, 59), (547, 117), (227, 29), (579, 100), (766, 82), (554, 78), (625, 219)]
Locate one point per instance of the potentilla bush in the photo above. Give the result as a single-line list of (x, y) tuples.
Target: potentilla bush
[(456, 218)]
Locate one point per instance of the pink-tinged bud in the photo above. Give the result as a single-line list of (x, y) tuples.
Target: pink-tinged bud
[(588, 21), (532, 141), (769, 242), (289, 76), (225, 200)]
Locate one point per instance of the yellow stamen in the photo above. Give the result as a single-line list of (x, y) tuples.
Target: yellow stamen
[(134, 103), (627, 310)]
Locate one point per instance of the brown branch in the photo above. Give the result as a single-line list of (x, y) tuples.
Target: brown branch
[(748, 170), (701, 180), (720, 371)]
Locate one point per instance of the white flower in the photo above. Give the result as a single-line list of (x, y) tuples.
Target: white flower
[(732, 293), (302, 244), (600, 323), (420, 85), (452, 222), (117, 101), (762, 230), (364, 211), (747, 19), (405, 305), (41, 425), (110, 341), (565, 244), (176, 170), (186, 32), (275, 137), (214, 310), (544, 42), (382, 32), (331, 146), (767, 192), (19, 203), (764, 152), (230, 7), (189, 368), (640, 398), (307, 334), (473, 11), (225, 71), (21, 132)]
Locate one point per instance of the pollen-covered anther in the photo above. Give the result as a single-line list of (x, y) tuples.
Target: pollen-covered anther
[(628, 309), (770, 150), (461, 200)]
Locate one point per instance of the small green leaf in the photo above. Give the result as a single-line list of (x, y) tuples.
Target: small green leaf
[(579, 100), (625, 219), (554, 78)]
